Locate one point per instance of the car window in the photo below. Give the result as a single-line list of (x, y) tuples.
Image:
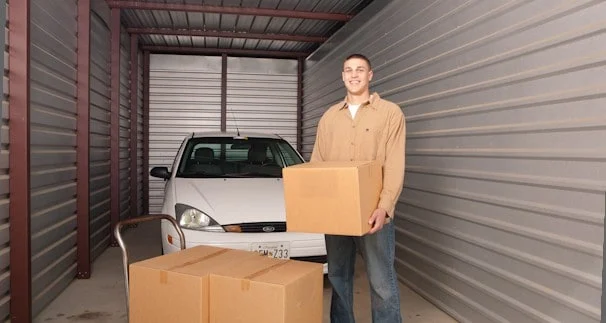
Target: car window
[(224, 157)]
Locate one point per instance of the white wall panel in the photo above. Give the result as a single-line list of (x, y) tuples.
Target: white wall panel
[(262, 96), (184, 97), (501, 218)]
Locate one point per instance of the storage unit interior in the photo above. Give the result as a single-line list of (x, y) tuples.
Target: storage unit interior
[(502, 213)]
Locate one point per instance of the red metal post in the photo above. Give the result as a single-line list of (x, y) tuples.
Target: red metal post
[(300, 68), (134, 103), (19, 161), (225, 34), (115, 121), (82, 135), (187, 7), (224, 92), (145, 132)]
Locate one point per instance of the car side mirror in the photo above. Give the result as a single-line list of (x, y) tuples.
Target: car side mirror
[(160, 172)]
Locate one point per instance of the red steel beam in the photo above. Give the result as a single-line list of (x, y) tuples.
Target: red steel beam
[(229, 10), (19, 161), (145, 132), (114, 122), (82, 135), (134, 103), (300, 67), (225, 34), (224, 92), (221, 51)]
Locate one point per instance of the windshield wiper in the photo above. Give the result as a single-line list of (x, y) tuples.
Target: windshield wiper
[(251, 174)]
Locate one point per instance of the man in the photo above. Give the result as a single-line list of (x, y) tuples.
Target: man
[(365, 127)]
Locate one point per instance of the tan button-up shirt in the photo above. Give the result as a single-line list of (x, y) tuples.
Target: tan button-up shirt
[(378, 132)]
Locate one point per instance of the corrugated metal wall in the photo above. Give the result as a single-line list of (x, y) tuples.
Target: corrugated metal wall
[(53, 142), (4, 185), (501, 218), (184, 96), (124, 124), (262, 96), (100, 229)]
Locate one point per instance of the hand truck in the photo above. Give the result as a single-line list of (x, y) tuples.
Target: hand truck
[(134, 221)]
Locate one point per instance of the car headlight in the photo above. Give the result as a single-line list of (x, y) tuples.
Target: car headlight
[(194, 219)]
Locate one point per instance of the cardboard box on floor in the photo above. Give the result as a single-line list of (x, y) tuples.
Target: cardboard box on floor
[(268, 291), (332, 197), (176, 287)]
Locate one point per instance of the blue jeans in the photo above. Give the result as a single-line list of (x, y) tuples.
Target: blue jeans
[(378, 253)]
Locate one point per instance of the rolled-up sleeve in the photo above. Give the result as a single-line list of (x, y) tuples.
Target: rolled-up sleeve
[(394, 164)]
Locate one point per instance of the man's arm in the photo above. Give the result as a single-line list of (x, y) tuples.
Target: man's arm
[(316, 154), (393, 167)]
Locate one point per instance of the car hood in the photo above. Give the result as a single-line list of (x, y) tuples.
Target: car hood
[(234, 200)]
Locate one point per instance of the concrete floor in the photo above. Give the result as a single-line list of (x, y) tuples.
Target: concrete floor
[(101, 299)]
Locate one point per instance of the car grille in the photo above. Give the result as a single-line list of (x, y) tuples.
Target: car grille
[(259, 227)]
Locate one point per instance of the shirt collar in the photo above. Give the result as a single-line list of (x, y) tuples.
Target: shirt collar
[(374, 98)]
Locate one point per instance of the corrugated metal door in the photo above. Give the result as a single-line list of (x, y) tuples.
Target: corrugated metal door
[(124, 124), (100, 227), (184, 96), (262, 96), (4, 184), (53, 148), (501, 218)]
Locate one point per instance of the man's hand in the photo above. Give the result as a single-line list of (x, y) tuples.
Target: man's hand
[(377, 220)]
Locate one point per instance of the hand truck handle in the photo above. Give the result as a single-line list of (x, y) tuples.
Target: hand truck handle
[(135, 220)]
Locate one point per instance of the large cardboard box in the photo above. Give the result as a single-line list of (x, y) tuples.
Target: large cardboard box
[(332, 197), (267, 290), (175, 287), (206, 284)]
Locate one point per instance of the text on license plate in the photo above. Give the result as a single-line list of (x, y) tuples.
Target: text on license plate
[(280, 250)]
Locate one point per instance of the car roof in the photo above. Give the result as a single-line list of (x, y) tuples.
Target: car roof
[(203, 134)]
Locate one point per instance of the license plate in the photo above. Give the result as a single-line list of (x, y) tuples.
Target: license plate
[(279, 250)]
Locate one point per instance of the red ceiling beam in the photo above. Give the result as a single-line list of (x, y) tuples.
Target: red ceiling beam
[(228, 10), (19, 161), (225, 34), (221, 51)]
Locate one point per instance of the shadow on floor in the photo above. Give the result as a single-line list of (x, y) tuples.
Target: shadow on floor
[(101, 299)]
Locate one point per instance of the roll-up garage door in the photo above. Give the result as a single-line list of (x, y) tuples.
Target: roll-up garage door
[(184, 97), (262, 96), (502, 214)]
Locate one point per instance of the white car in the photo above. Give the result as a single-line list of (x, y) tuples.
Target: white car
[(226, 190)]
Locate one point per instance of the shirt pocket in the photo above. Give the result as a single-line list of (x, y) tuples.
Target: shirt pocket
[(371, 135)]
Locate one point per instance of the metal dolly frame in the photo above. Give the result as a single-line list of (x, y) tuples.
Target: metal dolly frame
[(122, 245)]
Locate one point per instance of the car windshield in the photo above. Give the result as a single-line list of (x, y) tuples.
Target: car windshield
[(227, 157)]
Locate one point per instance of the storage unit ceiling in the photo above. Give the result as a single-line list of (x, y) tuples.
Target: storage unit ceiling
[(278, 26)]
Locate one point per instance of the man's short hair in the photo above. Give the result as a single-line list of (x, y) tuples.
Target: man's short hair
[(359, 56)]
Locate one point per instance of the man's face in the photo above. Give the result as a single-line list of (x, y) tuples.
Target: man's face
[(356, 75)]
